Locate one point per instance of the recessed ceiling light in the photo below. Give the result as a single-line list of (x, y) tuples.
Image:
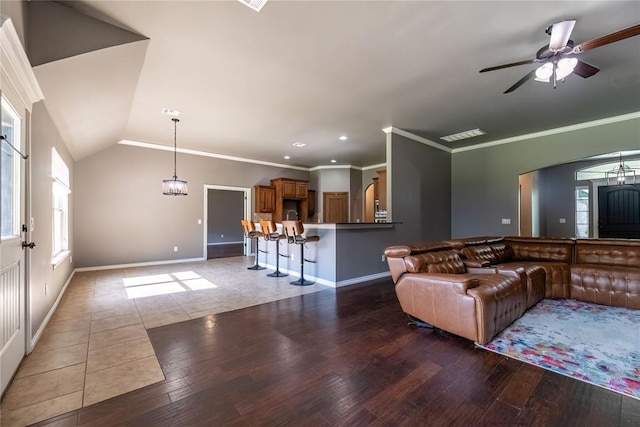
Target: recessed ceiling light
[(343, 138), (298, 144), (287, 157), (170, 112), (463, 135), (333, 160)]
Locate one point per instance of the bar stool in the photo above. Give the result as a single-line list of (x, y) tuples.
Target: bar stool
[(270, 232), (294, 230), (250, 232)]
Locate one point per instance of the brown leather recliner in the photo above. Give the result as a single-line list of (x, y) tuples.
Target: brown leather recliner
[(434, 286)]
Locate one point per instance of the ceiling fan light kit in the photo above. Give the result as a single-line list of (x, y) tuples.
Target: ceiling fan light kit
[(558, 58)]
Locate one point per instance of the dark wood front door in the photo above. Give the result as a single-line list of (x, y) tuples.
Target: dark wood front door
[(619, 211), (335, 207)]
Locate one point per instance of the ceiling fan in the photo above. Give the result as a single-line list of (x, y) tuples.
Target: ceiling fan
[(558, 58)]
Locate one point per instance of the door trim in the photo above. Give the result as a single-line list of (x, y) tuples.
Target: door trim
[(247, 210)]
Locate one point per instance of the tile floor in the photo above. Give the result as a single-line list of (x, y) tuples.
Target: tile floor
[(96, 347)]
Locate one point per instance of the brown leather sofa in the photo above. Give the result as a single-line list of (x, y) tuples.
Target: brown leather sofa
[(607, 272), (436, 282), (434, 286)]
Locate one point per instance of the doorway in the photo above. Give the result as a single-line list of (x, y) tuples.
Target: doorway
[(224, 208), (619, 211), (13, 189), (335, 207)]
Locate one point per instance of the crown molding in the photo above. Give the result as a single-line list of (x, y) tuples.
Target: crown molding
[(207, 154), (416, 138), (15, 65), (564, 129)]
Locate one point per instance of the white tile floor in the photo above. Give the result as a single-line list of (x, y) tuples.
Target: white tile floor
[(96, 347)]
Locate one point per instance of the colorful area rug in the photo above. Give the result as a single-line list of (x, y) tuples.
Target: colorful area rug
[(590, 342)]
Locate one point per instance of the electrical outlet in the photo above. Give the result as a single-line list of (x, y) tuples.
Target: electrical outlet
[(384, 258), (292, 257), (45, 288), (222, 236), (175, 249), (506, 220), (563, 220), (199, 221)]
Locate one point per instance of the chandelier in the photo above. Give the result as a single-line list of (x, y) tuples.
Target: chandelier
[(620, 173), (174, 186)]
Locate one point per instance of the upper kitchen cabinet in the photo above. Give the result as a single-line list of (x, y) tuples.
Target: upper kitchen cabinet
[(265, 199), (291, 188)]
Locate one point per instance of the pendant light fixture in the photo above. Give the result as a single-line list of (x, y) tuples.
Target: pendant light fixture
[(174, 186), (620, 173)]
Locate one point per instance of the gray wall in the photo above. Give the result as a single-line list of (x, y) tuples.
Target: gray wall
[(421, 188), (557, 199), (45, 283), (121, 216), (485, 181), (225, 209)]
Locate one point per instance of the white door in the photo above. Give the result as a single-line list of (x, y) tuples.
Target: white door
[(12, 255)]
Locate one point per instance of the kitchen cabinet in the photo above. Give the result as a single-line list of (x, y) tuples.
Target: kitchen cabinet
[(292, 193), (311, 202), (292, 189), (265, 199), (382, 189)]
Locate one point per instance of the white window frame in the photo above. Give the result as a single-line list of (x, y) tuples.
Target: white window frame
[(61, 189), (578, 211)]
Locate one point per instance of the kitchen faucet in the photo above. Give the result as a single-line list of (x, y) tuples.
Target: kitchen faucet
[(294, 212)]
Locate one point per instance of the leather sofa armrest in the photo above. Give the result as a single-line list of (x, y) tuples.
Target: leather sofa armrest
[(482, 270), (454, 281), (475, 263)]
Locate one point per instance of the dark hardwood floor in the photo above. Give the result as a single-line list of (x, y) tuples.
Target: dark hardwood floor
[(345, 358)]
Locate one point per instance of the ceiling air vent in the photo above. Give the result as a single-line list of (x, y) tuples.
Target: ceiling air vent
[(254, 4), (463, 135)]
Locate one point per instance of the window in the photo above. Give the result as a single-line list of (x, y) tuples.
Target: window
[(10, 171), (61, 191), (582, 211)]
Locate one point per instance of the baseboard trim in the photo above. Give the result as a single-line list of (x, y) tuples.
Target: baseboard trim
[(332, 284), (138, 264), (361, 279), (52, 310)]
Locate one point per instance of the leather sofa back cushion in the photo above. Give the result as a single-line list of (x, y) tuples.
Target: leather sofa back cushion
[(529, 251), (435, 262), (502, 252), (622, 255), (609, 285), (479, 253)]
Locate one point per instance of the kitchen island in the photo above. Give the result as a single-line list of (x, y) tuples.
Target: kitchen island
[(347, 253)]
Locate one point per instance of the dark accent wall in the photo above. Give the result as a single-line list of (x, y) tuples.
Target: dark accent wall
[(421, 190), (485, 180), (225, 210)]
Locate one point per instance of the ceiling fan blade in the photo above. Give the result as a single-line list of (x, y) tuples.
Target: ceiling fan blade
[(513, 64), (585, 70), (607, 39), (522, 81), (560, 33)]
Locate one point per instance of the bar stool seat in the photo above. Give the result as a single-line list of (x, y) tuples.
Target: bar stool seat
[(294, 231), (271, 234), (250, 232)]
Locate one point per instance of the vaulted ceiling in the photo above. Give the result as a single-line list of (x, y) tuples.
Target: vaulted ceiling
[(251, 84)]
